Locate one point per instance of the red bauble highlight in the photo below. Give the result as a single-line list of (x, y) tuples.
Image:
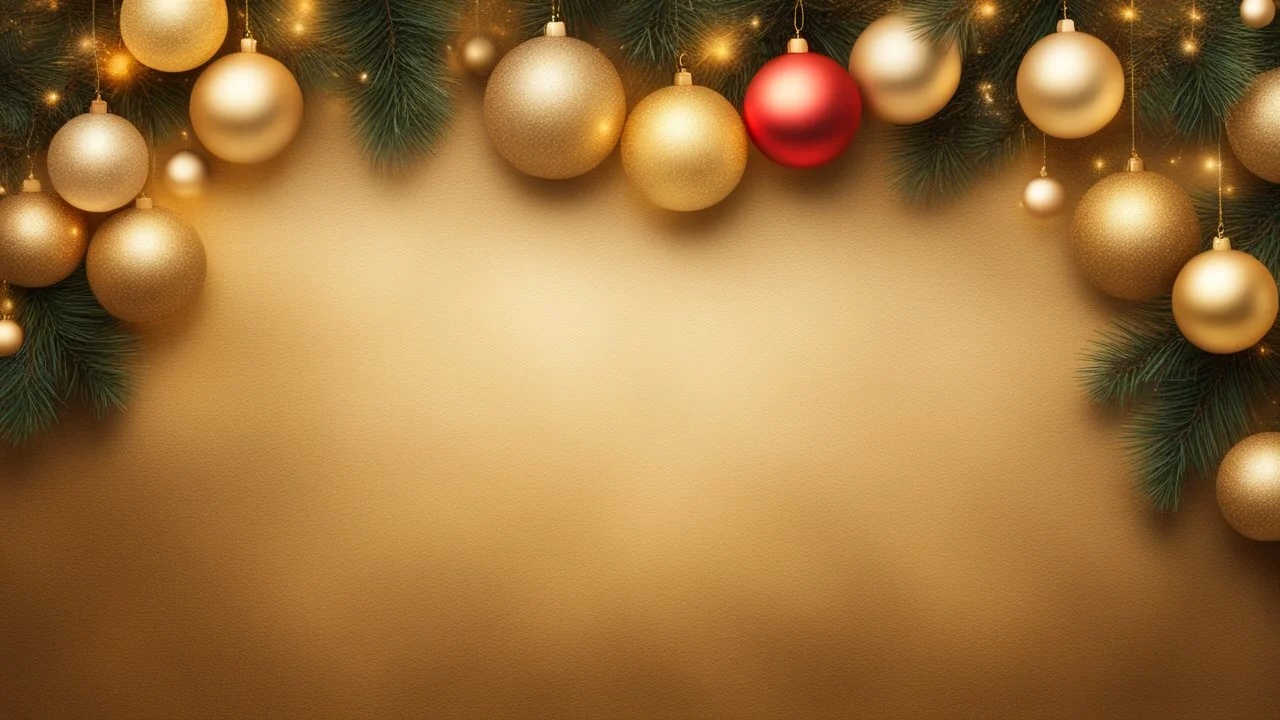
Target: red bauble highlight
[(802, 109)]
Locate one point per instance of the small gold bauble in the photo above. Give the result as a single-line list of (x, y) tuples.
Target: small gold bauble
[(1249, 486), (1257, 14), (1224, 300), (145, 263), (555, 106), (685, 146), (185, 175), (906, 78), (11, 337), (1133, 231), (98, 161), (1044, 196), (246, 107), (173, 35), (1253, 125), (1070, 84), (479, 55), (42, 239)]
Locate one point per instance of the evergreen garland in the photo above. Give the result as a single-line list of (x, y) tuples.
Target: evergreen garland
[(390, 60)]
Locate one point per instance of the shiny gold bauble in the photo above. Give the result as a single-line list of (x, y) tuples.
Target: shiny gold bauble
[(479, 55), (554, 106), (1070, 84), (11, 337), (98, 161), (145, 263), (185, 175), (1132, 233), (1253, 126), (173, 35), (1044, 196), (1249, 486), (246, 107), (1225, 300), (905, 78), (685, 146), (1257, 14), (42, 239)]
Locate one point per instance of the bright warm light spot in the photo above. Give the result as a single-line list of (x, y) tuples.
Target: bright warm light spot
[(1210, 163), (755, 22), (120, 65), (364, 77), (299, 28), (86, 43), (304, 7), (1129, 14), (1195, 16), (987, 10), (721, 49), (1099, 163), (52, 97), (1189, 46)]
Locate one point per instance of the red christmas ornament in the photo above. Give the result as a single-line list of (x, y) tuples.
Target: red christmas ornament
[(802, 109)]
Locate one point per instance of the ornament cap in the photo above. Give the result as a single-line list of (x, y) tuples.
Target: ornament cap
[(249, 45), (98, 107), (31, 185), (556, 28), (145, 203), (797, 45), (684, 78), (1065, 25), (1222, 242), (1135, 164)]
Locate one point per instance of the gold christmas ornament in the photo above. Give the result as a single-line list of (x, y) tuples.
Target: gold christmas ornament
[(11, 337), (685, 146), (1224, 300), (98, 161), (1249, 486), (145, 263), (479, 55), (42, 239), (1253, 125), (1133, 231), (1257, 14), (173, 35), (905, 78), (1070, 84), (1044, 196), (246, 107), (554, 106), (185, 175)]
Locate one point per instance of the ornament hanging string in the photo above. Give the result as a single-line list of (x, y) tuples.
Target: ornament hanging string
[(97, 70), (1133, 83), (1222, 227), (1044, 154), (555, 11), (797, 17), (1064, 9), (248, 31)]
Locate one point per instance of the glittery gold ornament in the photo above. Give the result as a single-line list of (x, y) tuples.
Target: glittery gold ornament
[(1253, 125), (479, 55), (684, 146), (185, 174), (1132, 233), (1044, 196), (11, 337), (1257, 14), (98, 161), (246, 107), (42, 239), (906, 78), (1224, 300), (1249, 486), (1070, 84), (173, 35), (145, 263), (555, 106)]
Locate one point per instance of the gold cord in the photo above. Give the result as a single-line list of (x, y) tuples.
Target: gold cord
[(1222, 227), (97, 71), (1133, 84), (248, 31), (797, 16)]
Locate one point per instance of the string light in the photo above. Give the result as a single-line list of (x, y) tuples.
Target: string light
[(987, 10), (52, 97)]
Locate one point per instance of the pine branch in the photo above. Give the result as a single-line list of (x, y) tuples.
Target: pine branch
[(1142, 349)]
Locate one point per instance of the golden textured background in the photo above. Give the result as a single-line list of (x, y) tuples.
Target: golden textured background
[(463, 444)]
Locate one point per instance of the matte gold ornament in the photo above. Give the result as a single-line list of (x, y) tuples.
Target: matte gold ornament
[(1257, 14), (479, 55), (555, 106), (1133, 231), (1070, 84), (98, 161), (185, 175), (42, 238), (246, 107), (11, 338), (1224, 300), (685, 146), (906, 78), (1044, 196), (1249, 486), (145, 263), (1253, 125), (173, 35)]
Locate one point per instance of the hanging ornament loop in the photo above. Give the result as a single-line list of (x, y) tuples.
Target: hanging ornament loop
[(797, 17)]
